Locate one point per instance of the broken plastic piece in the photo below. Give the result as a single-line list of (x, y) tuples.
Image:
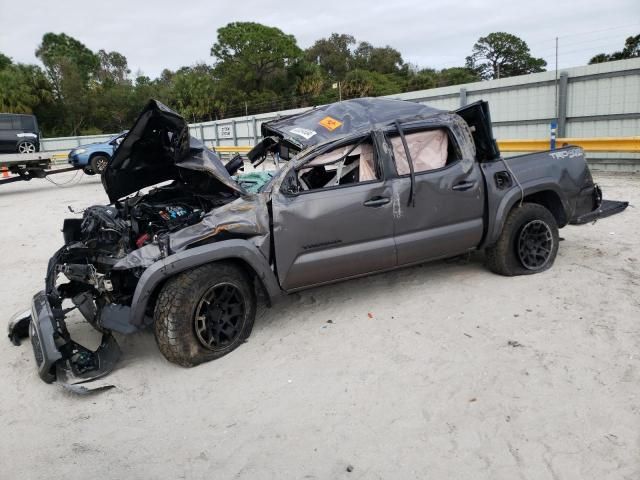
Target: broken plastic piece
[(83, 390), (19, 326)]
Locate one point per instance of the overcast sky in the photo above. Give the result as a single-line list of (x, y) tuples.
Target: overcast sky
[(431, 33)]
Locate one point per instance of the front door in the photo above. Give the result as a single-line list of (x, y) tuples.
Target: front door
[(337, 221)]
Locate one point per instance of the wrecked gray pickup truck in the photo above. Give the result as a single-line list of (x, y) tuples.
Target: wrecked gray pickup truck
[(358, 187)]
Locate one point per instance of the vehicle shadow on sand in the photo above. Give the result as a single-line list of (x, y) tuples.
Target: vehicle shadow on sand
[(294, 307)]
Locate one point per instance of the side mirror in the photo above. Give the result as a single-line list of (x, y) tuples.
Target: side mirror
[(290, 185)]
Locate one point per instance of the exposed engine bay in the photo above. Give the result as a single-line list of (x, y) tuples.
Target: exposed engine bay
[(106, 234)]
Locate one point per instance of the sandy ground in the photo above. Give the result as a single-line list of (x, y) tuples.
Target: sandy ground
[(459, 373)]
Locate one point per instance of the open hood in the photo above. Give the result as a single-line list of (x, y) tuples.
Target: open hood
[(158, 148)]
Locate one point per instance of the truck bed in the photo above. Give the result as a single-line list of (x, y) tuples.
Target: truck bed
[(561, 176)]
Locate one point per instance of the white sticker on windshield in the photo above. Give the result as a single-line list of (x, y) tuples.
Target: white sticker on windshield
[(303, 132)]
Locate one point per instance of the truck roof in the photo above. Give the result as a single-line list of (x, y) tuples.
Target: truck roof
[(336, 120)]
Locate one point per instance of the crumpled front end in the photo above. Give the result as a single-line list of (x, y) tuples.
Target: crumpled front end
[(98, 271)]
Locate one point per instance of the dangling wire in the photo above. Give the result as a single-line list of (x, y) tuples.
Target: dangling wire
[(68, 182)]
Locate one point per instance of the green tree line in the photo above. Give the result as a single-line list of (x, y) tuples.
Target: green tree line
[(255, 68)]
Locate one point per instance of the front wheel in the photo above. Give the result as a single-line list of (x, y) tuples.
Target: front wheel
[(528, 242), (204, 313)]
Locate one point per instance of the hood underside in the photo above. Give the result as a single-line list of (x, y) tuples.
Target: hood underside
[(159, 148)]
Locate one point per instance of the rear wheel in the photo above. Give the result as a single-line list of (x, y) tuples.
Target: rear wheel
[(528, 242), (204, 313), (99, 164), (26, 147)]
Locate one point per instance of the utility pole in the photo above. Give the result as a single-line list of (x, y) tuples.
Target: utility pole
[(556, 95), (554, 123)]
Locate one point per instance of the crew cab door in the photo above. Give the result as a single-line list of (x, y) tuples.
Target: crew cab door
[(332, 218), (446, 215)]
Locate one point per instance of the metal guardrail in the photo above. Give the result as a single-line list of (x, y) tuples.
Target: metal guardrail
[(233, 149), (603, 144)]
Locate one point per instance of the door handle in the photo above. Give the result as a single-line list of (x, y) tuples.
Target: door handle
[(462, 186), (377, 201)]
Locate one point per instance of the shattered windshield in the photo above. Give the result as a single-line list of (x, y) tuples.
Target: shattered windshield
[(254, 182)]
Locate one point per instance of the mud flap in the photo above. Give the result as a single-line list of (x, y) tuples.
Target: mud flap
[(606, 209)]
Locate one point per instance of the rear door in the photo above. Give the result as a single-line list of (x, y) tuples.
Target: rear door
[(446, 217), (331, 230)]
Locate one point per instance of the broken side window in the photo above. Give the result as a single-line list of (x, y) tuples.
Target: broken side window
[(344, 165)]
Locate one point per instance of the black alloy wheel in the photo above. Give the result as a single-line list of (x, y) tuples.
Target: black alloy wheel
[(535, 244), (219, 316)]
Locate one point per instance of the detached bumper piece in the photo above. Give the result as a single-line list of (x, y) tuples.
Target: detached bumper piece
[(606, 209), (58, 357)]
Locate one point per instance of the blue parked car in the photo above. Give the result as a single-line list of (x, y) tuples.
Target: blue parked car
[(93, 158)]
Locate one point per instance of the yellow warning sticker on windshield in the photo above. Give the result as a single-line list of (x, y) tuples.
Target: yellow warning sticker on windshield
[(330, 123)]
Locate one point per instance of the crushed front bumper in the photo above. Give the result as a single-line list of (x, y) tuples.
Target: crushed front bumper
[(58, 357), (42, 331)]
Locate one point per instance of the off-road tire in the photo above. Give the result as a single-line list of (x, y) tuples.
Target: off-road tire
[(503, 259), (175, 309), (99, 164)]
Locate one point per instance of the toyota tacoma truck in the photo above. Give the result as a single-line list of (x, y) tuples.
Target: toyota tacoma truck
[(188, 244)]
